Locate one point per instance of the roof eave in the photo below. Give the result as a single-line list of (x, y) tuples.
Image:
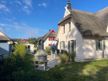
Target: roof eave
[(64, 19)]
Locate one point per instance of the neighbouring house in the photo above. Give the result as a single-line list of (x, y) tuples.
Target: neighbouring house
[(48, 39), (30, 47), (5, 46), (84, 33)]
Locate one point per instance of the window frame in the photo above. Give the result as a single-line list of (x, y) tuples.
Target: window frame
[(69, 26), (62, 45), (99, 45), (72, 45), (64, 28)]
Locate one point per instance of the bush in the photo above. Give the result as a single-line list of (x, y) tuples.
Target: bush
[(17, 66), (20, 50), (48, 50), (64, 57), (71, 56)]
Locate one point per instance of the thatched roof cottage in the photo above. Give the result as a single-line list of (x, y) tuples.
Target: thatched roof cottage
[(84, 33)]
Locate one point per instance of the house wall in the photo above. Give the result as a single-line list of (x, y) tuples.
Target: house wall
[(4, 49), (106, 49), (90, 52), (89, 48), (85, 48), (74, 34), (47, 42), (32, 47)]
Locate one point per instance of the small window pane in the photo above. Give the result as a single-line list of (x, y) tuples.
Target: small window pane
[(62, 45), (98, 45), (64, 29), (69, 26)]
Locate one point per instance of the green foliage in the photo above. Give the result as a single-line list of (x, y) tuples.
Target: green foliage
[(33, 41), (55, 75), (16, 68), (19, 67), (20, 50), (48, 50), (64, 57), (85, 71)]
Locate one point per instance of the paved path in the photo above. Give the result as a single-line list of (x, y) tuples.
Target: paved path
[(52, 62)]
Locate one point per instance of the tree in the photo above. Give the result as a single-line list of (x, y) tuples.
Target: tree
[(33, 41)]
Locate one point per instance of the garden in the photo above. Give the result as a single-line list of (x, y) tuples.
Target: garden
[(19, 67)]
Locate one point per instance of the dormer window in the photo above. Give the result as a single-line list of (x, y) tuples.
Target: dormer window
[(87, 33)]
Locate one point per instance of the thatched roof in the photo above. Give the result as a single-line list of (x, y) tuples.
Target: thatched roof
[(3, 37), (87, 23), (103, 15)]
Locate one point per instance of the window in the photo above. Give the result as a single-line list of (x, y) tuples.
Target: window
[(69, 26), (107, 29), (72, 46), (49, 44), (51, 38), (64, 29), (62, 45), (87, 33), (98, 44)]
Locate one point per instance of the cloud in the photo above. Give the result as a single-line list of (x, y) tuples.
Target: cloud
[(22, 5), (28, 3), (42, 5), (25, 29), (4, 8), (19, 29), (27, 6)]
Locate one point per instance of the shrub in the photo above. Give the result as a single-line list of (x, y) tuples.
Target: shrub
[(17, 66), (20, 50), (64, 57), (48, 50)]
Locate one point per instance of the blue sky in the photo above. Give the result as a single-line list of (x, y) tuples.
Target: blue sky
[(33, 18)]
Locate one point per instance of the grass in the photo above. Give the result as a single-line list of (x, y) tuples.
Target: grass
[(88, 71)]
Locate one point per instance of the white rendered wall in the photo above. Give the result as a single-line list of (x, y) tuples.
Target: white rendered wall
[(4, 48), (74, 34), (47, 42), (106, 49)]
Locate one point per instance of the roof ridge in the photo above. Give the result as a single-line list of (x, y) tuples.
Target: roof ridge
[(101, 10), (83, 11), (4, 35)]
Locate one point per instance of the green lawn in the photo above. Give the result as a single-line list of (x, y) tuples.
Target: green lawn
[(89, 71)]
